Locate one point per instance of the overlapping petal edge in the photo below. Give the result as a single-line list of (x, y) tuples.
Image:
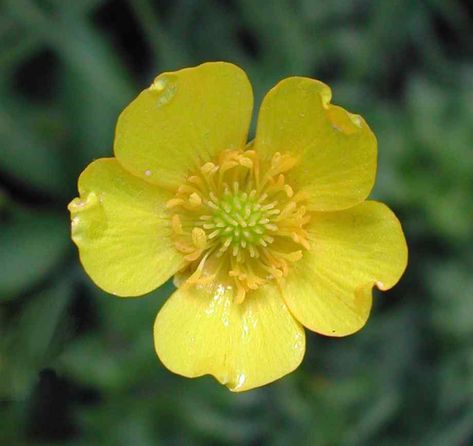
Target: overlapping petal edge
[(120, 226)]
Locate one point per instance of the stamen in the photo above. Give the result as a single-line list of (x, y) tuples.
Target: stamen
[(174, 202), (176, 224), (195, 199), (246, 162), (289, 190), (199, 238), (208, 168), (239, 229), (194, 179)]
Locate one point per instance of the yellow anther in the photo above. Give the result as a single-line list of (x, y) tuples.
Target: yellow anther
[(244, 161), (195, 199), (227, 165), (289, 191), (174, 202), (176, 224), (239, 228), (209, 168), (184, 247), (194, 179), (282, 163), (199, 238)]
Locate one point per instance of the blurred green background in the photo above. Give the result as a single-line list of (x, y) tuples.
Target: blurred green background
[(78, 367)]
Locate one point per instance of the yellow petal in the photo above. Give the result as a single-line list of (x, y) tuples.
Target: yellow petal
[(329, 289), (199, 331), (336, 150), (182, 120), (122, 233)]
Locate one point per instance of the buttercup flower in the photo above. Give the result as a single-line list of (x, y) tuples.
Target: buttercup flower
[(263, 238)]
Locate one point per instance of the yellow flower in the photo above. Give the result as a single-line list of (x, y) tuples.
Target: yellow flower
[(264, 238)]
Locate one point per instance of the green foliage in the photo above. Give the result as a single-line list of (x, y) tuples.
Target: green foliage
[(77, 367)]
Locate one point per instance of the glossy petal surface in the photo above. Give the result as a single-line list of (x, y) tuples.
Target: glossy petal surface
[(336, 150), (329, 289), (183, 120), (120, 230), (246, 345)]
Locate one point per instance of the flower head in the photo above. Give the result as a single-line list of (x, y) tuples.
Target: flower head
[(263, 238), (239, 222)]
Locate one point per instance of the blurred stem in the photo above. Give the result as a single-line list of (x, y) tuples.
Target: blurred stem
[(3, 199), (165, 50), (17, 50), (77, 44)]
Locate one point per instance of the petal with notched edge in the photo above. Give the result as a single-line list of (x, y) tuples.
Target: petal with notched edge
[(335, 150), (329, 289), (182, 120), (200, 330), (119, 226)]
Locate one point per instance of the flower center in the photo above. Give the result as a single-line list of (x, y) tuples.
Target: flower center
[(238, 222)]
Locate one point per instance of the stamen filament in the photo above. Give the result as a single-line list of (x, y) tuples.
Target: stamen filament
[(238, 224)]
